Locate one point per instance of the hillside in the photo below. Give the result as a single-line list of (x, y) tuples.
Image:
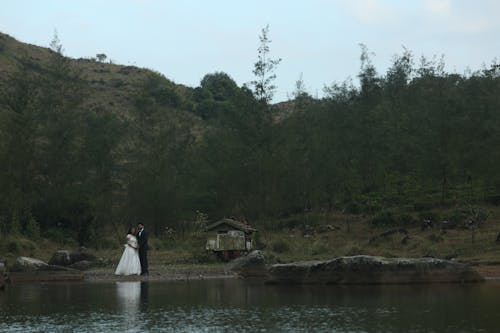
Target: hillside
[(109, 85)]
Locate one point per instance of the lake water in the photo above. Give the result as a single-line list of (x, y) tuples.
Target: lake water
[(230, 305)]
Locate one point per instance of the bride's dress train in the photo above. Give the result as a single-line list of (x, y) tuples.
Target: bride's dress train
[(129, 263)]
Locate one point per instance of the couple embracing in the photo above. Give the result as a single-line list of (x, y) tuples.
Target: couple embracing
[(134, 260)]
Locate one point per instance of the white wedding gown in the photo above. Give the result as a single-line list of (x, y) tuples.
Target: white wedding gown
[(129, 263)]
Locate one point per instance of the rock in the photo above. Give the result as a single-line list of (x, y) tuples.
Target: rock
[(249, 266), (3, 275), (82, 255), (28, 269), (27, 264), (68, 258), (372, 270), (82, 265), (61, 258)]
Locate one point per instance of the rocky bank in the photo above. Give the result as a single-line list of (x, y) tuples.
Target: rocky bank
[(360, 269)]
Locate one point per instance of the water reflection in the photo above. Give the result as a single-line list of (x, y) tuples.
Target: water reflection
[(144, 296), (130, 296), (236, 306)]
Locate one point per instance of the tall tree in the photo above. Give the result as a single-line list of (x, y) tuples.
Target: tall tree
[(264, 68)]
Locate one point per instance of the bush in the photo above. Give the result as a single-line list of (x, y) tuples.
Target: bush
[(19, 246), (204, 257), (108, 243), (405, 219), (258, 244), (387, 218), (353, 208), (319, 247), (434, 217), (420, 206), (383, 218), (15, 224), (33, 228), (280, 246), (61, 236)]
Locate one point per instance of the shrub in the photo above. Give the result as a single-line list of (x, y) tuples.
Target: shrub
[(33, 228), (353, 208), (19, 246), (280, 246), (204, 257), (15, 224), (258, 244), (383, 218), (405, 219), (420, 206), (433, 216), (108, 243), (390, 218), (61, 236), (319, 247)]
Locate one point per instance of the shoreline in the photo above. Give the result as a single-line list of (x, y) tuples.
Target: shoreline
[(159, 275), (491, 273)]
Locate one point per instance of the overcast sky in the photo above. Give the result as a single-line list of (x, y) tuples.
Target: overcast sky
[(186, 39)]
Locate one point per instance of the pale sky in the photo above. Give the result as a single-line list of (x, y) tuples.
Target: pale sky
[(186, 39)]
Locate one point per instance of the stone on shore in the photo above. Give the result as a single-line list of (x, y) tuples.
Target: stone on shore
[(252, 265), (30, 269), (27, 264), (61, 258), (82, 255), (81, 259), (359, 269), (372, 270)]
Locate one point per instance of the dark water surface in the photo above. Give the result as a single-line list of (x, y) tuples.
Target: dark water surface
[(229, 305)]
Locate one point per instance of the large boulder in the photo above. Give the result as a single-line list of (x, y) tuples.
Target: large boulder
[(81, 255), (372, 270), (27, 264), (61, 258), (251, 265), (71, 258)]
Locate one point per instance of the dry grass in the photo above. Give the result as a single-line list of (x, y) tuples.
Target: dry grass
[(460, 244), (293, 244)]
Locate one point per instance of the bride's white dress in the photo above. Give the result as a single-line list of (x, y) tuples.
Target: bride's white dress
[(129, 263)]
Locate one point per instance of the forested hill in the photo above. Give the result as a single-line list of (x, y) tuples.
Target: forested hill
[(109, 85), (86, 145)]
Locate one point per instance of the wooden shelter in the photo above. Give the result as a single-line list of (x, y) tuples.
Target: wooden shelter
[(229, 238)]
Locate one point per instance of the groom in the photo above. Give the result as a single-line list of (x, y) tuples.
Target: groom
[(142, 239)]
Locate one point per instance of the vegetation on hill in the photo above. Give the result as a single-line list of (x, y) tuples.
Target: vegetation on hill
[(87, 146)]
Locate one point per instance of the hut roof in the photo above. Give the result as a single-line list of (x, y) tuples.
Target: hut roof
[(233, 223)]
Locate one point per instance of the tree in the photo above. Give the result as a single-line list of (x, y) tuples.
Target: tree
[(264, 69), (101, 57)]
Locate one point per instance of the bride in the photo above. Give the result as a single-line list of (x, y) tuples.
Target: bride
[(129, 263)]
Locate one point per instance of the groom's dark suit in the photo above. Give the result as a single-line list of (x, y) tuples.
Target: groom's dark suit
[(142, 239)]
